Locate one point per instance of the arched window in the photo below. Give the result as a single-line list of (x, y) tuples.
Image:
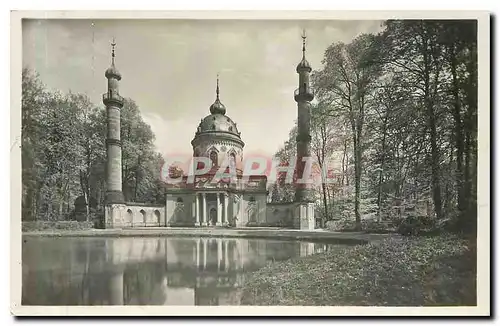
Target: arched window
[(143, 213), (232, 160), (130, 216), (213, 158), (157, 215)]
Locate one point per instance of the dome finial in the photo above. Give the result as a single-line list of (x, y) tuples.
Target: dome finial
[(304, 36), (217, 107), (112, 72), (217, 89), (304, 64), (113, 44)]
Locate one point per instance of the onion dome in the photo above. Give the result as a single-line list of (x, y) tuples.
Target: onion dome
[(217, 107), (219, 123), (304, 64), (112, 72)]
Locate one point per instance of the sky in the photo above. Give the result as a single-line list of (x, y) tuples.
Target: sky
[(169, 69)]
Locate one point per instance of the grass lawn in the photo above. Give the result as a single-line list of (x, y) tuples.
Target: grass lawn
[(410, 271)]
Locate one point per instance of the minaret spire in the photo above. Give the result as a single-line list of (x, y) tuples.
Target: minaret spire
[(217, 107), (113, 44), (217, 89), (112, 72), (304, 36)]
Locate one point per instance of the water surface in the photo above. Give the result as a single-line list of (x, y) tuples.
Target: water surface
[(147, 271)]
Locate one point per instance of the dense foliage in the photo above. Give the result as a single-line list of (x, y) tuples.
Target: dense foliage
[(64, 152), (396, 115)]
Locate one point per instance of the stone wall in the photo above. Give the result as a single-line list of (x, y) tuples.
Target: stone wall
[(139, 214), (304, 216), (134, 215), (179, 209), (280, 214), (251, 209)]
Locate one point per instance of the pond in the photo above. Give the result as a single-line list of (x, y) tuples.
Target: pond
[(147, 270)]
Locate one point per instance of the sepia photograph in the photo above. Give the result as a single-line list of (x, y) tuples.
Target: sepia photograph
[(196, 163)]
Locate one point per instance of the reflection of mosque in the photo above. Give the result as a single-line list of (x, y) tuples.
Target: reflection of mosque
[(148, 271)]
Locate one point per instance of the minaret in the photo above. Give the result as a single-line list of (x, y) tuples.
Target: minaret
[(113, 102), (303, 96)]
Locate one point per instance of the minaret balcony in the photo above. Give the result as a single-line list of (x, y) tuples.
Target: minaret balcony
[(112, 99), (301, 94)]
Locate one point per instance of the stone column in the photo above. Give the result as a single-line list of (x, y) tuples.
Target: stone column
[(204, 217), (226, 203), (196, 209), (192, 210), (219, 215)]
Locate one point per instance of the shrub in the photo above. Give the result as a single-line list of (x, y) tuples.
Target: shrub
[(368, 226), (97, 219), (342, 225), (374, 226), (56, 225), (416, 225)]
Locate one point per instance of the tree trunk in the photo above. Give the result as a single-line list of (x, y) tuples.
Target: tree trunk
[(325, 202), (357, 183), (60, 209), (344, 167), (381, 172), (137, 177), (459, 136), (436, 187), (429, 105), (469, 221)]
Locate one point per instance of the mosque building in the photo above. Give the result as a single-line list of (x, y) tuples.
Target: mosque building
[(238, 202)]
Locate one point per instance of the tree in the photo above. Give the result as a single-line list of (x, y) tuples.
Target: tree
[(33, 98), (438, 60), (328, 136), (64, 153), (141, 164), (347, 82), (285, 190)]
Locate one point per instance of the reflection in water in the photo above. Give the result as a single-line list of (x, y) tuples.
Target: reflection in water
[(146, 271)]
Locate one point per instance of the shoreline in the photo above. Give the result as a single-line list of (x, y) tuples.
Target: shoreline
[(267, 233)]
